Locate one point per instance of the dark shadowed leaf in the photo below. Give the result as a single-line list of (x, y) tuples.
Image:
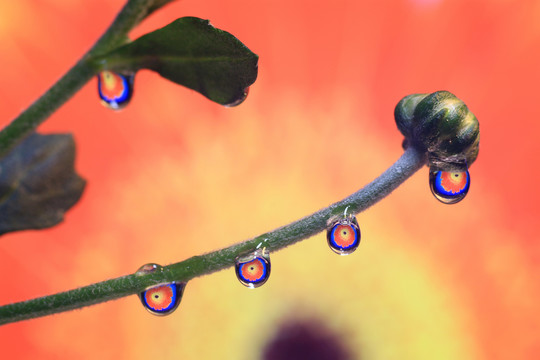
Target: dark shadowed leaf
[(38, 183), (192, 53)]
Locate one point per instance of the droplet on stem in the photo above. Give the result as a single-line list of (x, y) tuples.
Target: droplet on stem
[(253, 270), (148, 268), (449, 187), (114, 89), (343, 235), (162, 299)]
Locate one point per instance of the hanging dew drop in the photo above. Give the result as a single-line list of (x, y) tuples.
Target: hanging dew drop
[(253, 273), (253, 270), (343, 235), (162, 299), (449, 187), (240, 99), (114, 89)]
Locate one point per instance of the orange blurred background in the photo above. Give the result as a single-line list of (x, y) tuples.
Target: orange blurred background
[(174, 175)]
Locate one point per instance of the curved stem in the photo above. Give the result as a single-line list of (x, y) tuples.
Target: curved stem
[(131, 14), (403, 168)]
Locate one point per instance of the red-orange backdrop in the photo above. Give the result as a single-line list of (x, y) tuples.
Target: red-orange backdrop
[(174, 175)]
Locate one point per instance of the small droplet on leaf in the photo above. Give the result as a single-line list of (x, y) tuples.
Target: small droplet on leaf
[(253, 270), (162, 299), (449, 187), (114, 89), (343, 235), (240, 99)]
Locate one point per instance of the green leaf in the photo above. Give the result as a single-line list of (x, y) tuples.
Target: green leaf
[(192, 53), (38, 183)]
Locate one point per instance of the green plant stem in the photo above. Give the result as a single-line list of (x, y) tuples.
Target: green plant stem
[(183, 271), (131, 14)]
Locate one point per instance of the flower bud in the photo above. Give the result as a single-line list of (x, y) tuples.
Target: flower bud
[(441, 125)]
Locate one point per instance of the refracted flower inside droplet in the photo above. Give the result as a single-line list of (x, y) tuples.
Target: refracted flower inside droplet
[(343, 235), (240, 99), (449, 187), (253, 270), (115, 90), (162, 299)]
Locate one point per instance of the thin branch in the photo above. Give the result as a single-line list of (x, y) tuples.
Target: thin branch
[(403, 168), (131, 14)]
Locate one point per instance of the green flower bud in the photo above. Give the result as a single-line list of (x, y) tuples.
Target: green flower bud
[(441, 125)]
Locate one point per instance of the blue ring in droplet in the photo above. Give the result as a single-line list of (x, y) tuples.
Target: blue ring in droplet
[(260, 277), (449, 187), (172, 292), (442, 190), (336, 245), (119, 100)]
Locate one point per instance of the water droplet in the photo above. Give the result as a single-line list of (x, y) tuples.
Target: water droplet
[(449, 187), (115, 90), (148, 268), (162, 299), (253, 270), (343, 235), (240, 99)]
